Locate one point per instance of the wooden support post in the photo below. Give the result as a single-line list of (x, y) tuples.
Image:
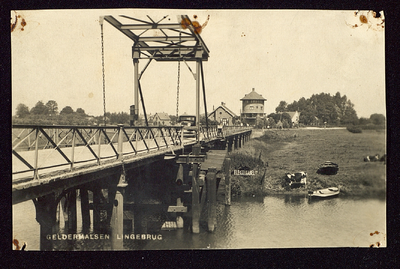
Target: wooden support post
[(227, 170), (240, 141), (117, 216), (195, 201), (71, 211), (195, 193), (96, 208), (236, 142), (85, 210), (46, 209), (230, 142), (179, 219), (211, 197)]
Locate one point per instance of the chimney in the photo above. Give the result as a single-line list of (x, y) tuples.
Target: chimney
[(222, 103), (253, 89)]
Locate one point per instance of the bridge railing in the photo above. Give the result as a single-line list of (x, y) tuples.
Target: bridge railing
[(215, 131), (47, 148)]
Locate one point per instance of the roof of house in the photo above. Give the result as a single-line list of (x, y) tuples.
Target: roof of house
[(292, 113), (162, 116), (223, 106), (253, 95)]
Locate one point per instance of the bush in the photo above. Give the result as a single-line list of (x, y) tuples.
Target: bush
[(371, 126), (354, 129)]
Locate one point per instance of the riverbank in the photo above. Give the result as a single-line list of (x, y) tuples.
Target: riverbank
[(277, 152)]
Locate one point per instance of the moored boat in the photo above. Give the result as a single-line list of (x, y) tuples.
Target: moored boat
[(328, 168), (323, 193)]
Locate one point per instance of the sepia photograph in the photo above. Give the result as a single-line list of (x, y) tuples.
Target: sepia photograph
[(195, 129)]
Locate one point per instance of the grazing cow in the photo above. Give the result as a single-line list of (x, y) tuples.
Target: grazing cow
[(372, 158), (296, 177), (383, 159)]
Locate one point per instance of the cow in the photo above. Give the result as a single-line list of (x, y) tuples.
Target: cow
[(372, 158)]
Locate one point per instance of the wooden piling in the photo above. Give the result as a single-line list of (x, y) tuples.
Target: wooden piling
[(96, 208), (211, 197), (196, 210), (71, 211), (195, 201), (85, 211), (46, 209), (227, 170)]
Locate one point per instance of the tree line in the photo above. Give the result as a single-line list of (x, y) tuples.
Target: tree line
[(321, 109), (49, 114)]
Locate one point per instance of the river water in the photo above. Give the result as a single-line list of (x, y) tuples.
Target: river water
[(279, 221)]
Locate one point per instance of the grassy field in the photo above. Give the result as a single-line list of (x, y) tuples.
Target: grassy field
[(295, 150)]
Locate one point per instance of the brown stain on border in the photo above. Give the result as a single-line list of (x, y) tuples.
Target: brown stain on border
[(197, 28), (14, 25)]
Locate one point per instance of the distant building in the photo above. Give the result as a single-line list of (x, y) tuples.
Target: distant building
[(222, 115), (252, 107), (161, 119), (295, 116)]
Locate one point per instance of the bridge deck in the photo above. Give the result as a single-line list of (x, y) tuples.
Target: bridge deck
[(215, 158)]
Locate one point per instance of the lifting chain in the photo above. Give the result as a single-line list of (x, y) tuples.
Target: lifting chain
[(179, 74), (104, 81)]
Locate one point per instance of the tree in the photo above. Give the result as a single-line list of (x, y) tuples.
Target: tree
[(22, 111), (52, 108), (275, 116), (40, 109), (66, 110), (364, 121), (377, 119), (286, 118), (282, 107), (80, 111)]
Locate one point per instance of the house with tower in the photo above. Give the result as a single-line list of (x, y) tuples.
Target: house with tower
[(252, 107)]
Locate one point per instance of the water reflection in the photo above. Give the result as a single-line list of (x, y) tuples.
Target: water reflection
[(282, 221)]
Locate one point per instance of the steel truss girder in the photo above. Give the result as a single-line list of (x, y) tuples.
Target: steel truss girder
[(168, 47)]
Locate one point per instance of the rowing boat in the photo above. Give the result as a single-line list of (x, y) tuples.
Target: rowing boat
[(322, 193)]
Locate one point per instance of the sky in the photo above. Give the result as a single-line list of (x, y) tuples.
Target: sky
[(284, 54)]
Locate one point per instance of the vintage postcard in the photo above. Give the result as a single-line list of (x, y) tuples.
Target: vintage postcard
[(151, 129)]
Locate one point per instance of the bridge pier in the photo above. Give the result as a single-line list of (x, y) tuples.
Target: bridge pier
[(117, 215), (46, 209), (236, 142), (230, 144), (211, 197), (227, 171), (85, 210), (71, 222), (96, 208), (196, 210)]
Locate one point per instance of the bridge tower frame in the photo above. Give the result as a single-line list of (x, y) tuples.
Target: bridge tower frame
[(188, 46)]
